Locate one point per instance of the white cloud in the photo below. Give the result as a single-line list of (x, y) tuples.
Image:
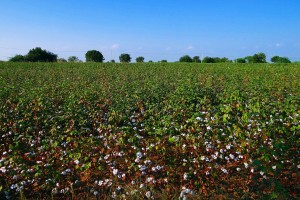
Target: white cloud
[(278, 44), (115, 46), (168, 48), (190, 47)]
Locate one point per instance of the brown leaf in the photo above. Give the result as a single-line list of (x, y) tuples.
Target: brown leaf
[(84, 176)]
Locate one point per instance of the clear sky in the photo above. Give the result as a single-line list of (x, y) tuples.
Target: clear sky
[(154, 29)]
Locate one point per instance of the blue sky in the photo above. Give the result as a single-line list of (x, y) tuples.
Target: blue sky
[(155, 29)]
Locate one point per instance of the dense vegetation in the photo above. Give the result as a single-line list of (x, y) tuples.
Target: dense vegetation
[(39, 55), (125, 58), (94, 56), (35, 55), (149, 130)]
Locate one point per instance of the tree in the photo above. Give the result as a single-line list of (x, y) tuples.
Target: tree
[(61, 60), (222, 60), (249, 59), (150, 61), (278, 59), (163, 61), (39, 55), (240, 60), (208, 60), (275, 59), (215, 60), (196, 59), (256, 58), (17, 58), (73, 59), (140, 59), (125, 58), (186, 58), (112, 61), (259, 58), (94, 56)]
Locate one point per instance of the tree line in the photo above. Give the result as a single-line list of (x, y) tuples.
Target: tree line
[(40, 55), (256, 58)]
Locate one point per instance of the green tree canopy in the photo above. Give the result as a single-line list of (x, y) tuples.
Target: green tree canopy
[(125, 58), (39, 55), (140, 59), (196, 59), (278, 59), (240, 60), (94, 56), (73, 59), (249, 59), (17, 58), (215, 60), (208, 60), (222, 60), (259, 58), (186, 58), (61, 60), (256, 58)]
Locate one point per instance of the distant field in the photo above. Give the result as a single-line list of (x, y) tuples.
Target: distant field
[(149, 130)]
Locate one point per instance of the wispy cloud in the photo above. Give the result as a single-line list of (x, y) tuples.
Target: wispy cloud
[(114, 46), (190, 47), (168, 48), (278, 44)]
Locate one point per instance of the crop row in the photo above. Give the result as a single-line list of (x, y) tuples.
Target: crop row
[(143, 130)]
